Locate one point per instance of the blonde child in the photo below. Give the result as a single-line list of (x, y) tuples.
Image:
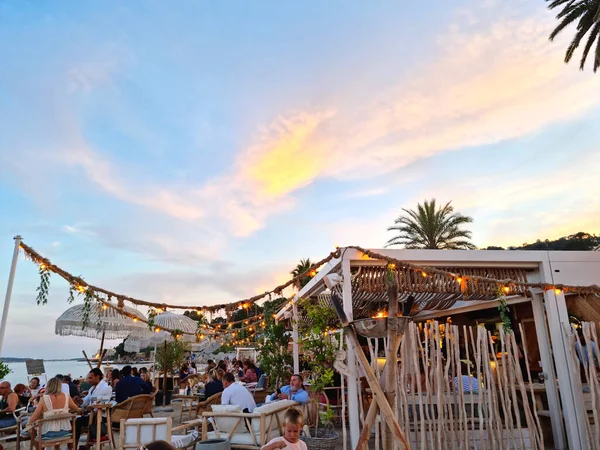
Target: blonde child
[(292, 424)]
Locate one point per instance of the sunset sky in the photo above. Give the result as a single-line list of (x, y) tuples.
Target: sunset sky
[(193, 152)]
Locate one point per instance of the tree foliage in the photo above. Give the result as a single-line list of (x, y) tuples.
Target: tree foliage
[(4, 370), (171, 355), (586, 15), (431, 227), (575, 242), (301, 268), (275, 358)]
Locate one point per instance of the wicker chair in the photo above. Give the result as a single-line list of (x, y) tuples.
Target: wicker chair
[(40, 443), (148, 409), (133, 408), (206, 404)]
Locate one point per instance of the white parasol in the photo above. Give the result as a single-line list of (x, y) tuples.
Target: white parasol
[(141, 338), (103, 323)]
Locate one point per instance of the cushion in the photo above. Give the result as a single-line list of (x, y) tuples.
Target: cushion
[(271, 410), (242, 438), (227, 424)]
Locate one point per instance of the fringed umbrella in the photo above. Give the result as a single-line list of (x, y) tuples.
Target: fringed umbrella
[(102, 323), (143, 337)]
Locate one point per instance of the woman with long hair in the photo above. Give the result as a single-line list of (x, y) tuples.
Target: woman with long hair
[(249, 372), (54, 402)]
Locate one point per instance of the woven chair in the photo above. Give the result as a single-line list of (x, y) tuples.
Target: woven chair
[(148, 409), (206, 404), (14, 431), (39, 443), (133, 408)]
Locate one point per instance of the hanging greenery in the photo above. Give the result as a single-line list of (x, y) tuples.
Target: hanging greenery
[(71, 298), (151, 318), (88, 304), (504, 311), (275, 359), (44, 287), (177, 334)]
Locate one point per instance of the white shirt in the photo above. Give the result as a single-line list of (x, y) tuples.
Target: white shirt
[(101, 390), (65, 389), (236, 394), (300, 445)]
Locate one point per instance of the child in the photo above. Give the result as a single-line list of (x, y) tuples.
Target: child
[(292, 424)]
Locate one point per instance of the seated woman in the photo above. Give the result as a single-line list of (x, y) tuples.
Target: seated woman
[(214, 385), (24, 394), (249, 372), (148, 380), (115, 377), (54, 402), (184, 373)]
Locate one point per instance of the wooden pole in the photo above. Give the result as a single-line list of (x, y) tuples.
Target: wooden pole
[(393, 342), (378, 394), (101, 352), (165, 362), (87, 359), (363, 439)]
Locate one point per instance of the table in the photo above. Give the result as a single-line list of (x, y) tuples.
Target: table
[(97, 409)]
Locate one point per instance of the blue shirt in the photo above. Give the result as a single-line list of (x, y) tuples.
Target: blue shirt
[(300, 396), (584, 356), (128, 387)]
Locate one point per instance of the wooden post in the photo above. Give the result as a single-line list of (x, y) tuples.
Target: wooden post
[(363, 439), (378, 395), (391, 379), (101, 352), (87, 359), (165, 362)]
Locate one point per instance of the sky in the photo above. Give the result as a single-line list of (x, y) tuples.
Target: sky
[(193, 152)]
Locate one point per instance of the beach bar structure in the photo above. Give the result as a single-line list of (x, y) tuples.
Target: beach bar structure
[(361, 286)]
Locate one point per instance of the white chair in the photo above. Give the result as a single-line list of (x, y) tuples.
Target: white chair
[(137, 432)]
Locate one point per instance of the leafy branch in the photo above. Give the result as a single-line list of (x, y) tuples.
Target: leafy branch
[(44, 287), (504, 311)]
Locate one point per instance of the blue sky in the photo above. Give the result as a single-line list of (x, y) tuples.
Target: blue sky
[(192, 153)]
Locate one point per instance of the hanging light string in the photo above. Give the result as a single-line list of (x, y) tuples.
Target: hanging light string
[(81, 285), (505, 285)]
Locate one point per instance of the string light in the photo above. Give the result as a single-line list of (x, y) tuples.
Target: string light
[(157, 329), (557, 291), (424, 274), (135, 319), (43, 266), (459, 279), (312, 273), (104, 306), (506, 289), (392, 266)]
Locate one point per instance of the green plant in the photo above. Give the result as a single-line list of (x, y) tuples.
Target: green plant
[(503, 310), (326, 416), (171, 355), (4, 370), (318, 344), (275, 358)]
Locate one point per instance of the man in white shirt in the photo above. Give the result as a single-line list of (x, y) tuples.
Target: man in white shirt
[(100, 390), (65, 386), (236, 394)]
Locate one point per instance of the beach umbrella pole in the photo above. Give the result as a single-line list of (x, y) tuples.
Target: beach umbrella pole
[(101, 353), (9, 287)]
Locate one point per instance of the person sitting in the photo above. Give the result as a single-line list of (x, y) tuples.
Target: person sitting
[(220, 373), (236, 394), (135, 372), (237, 369), (24, 395), (65, 385), (99, 389), (214, 385), (468, 383), (115, 377), (129, 386), (54, 402), (184, 373), (193, 368), (8, 405), (249, 372), (34, 386), (294, 391), (148, 380), (73, 389)]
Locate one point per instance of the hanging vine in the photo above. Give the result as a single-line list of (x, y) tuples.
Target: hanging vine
[(44, 287), (71, 298), (88, 304), (504, 311), (151, 318)]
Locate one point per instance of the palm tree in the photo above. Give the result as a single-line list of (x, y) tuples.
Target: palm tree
[(431, 227), (587, 15), (301, 268)]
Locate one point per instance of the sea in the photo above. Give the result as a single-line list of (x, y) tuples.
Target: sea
[(76, 369)]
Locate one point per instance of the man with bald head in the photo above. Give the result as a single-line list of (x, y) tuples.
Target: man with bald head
[(8, 405)]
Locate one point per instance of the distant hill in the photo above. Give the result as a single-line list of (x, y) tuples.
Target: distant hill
[(576, 242), (9, 359)]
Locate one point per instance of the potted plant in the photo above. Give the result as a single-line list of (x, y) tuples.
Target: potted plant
[(169, 357), (319, 348)]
